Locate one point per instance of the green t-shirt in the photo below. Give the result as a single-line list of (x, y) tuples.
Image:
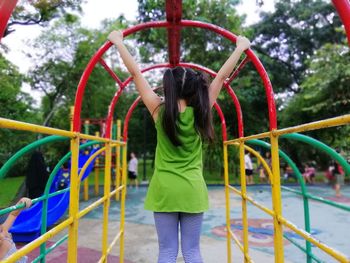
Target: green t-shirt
[(177, 184)]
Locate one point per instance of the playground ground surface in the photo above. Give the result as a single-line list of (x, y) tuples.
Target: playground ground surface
[(328, 225)]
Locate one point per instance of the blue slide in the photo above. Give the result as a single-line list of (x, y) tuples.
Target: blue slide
[(28, 224)]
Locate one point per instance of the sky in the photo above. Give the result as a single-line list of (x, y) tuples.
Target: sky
[(94, 11)]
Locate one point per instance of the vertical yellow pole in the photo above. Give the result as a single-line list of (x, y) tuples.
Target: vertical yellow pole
[(122, 206), (107, 189), (117, 158), (73, 199), (244, 202), (86, 181), (227, 197), (276, 200), (97, 171)]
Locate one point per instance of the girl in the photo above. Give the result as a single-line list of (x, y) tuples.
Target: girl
[(7, 246), (177, 193)]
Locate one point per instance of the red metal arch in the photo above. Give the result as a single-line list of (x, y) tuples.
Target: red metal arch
[(185, 23), (136, 102), (186, 65)]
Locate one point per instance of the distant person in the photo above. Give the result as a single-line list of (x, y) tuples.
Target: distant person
[(7, 246), (132, 170), (37, 175), (339, 175), (262, 174), (289, 173), (248, 168), (309, 174)]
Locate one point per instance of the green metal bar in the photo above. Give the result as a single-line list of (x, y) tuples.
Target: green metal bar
[(6, 167), (320, 199), (321, 146), (54, 246), (303, 190), (36, 200), (303, 249), (46, 193)]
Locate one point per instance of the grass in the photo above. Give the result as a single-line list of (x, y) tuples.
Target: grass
[(9, 188)]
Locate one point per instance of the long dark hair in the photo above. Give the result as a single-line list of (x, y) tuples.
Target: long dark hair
[(193, 87)]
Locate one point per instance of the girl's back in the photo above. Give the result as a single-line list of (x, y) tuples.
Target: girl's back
[(177, 183)]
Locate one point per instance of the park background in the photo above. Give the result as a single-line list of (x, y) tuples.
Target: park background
[(302, 45)]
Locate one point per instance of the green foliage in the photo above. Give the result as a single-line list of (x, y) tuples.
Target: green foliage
[(9, 189), (16, 105), (323, 94), (41, 12), (290, 35)]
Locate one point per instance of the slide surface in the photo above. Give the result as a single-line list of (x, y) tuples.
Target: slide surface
[(28, 224)]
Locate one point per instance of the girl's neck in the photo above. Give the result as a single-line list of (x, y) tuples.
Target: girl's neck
[(182, 105)]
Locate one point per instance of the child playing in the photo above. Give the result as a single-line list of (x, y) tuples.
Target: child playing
[(177, 193), (7, 246)]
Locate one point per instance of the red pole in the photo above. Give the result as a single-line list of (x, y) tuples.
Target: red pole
[(6, 9), (343, 9), (173, 9)]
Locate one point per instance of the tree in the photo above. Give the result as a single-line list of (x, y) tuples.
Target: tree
[(290, 35), (40, 12), (15, 105)]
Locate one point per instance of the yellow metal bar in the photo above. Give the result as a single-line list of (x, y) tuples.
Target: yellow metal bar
[(73, 200), (122, 206), (97, 171), (87, 163), (88, 209), (17, 125), (117, 159), (243, 139), (86, 189), (106, 203), (227, 197), (334, 253), (100, 139), (251, 200), (276, 200), (113, 242), (244, 202), (261, 160), (37, 242), (337, 121), (233, 236), (86, 181)]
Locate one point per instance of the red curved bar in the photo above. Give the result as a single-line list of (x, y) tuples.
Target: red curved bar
[(167, 65), (223, 122), (230, 92), (185, 23), (6, 9), (119, 93), (92, 63), (258, 65), (110, 72), (343, 8), (136, 102)]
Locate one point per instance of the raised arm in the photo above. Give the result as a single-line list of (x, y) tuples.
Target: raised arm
[(225, 71), (13, 215), (149, 97)]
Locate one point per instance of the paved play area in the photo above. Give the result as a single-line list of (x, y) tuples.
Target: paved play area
[(328, 224)]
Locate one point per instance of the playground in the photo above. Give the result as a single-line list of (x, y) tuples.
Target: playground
[(80, 216)]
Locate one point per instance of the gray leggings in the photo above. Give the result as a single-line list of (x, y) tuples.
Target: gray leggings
[(167, 225)]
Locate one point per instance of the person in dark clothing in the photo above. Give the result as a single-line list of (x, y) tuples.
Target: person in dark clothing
[(37, 175)]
